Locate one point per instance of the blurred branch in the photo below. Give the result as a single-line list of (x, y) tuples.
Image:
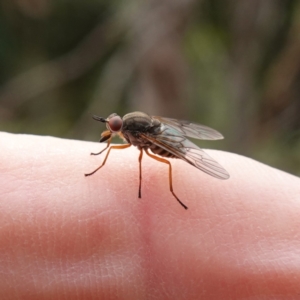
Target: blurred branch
[(252, 28), (161, 80)]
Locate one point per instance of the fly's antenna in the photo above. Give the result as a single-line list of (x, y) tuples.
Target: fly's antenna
[(101, 119)]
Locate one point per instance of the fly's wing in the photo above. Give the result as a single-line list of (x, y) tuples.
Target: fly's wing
[(192, 130), (176, 143)]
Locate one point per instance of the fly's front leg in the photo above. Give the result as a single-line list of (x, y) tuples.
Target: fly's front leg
[(111, 147), (106, 135), (107, 145)]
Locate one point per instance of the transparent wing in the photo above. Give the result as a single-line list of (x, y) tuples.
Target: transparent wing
[(174, 142), (192, 130)]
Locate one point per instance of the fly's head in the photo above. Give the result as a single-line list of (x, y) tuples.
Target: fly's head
[(114, 124)]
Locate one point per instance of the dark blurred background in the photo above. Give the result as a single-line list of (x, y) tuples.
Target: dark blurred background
[(231, 65)]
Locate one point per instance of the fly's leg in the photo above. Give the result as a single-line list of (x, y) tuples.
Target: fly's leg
[(111, 147), (170, 174), (105, 135), (108, 143), (140, 164)]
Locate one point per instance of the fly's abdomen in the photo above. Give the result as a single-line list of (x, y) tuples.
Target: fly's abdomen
[(161, 152)]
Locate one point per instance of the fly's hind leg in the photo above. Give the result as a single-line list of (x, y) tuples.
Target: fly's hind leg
[(170, 174), (111, 147), (140, 166)]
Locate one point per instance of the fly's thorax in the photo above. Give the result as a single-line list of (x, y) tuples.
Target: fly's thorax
[(135, 139), (139, 122)]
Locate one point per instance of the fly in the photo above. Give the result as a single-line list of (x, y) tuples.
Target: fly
[(164, 137)]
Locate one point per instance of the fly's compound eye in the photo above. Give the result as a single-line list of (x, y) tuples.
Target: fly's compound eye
[(115, 123)]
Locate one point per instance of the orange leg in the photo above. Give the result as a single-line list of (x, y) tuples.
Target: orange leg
[(170, 174), (108, 143), (140, 162), (111, 147)]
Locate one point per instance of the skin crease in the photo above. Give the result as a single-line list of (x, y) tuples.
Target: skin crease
[(67, 236)]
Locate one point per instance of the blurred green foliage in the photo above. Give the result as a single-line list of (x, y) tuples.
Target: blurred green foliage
[(233, 66)]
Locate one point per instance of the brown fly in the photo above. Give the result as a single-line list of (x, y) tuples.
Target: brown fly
[(164, 137)]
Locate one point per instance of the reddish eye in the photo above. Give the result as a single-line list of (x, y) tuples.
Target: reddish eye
[(115, 123)]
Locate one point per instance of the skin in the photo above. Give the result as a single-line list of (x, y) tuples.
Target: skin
[(66, 236)]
